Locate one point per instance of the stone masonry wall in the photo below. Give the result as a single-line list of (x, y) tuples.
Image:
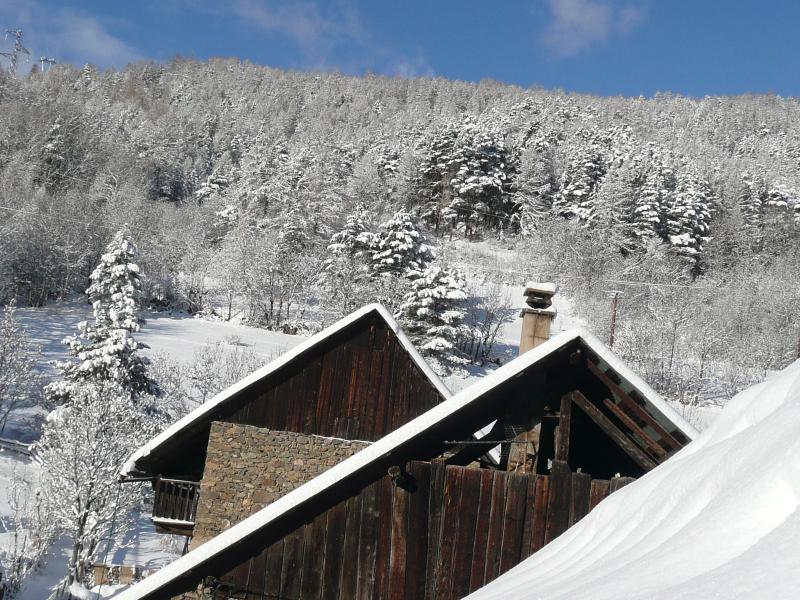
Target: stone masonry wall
[(249, 467)]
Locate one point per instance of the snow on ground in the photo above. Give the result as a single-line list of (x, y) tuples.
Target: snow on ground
[(174, 334), (721, 519)]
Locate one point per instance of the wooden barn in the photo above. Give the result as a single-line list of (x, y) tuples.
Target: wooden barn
[(436, 508), (358, 379)]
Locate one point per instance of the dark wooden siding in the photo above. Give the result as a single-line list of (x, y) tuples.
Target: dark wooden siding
[(359, 384), (448, 533), (361, 388)]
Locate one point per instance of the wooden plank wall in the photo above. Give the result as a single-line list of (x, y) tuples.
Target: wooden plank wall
[(360, 388), (455, 531)]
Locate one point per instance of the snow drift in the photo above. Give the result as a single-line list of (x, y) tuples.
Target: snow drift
[(718, 520)]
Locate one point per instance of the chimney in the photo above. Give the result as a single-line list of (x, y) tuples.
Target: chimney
[(538, 315)]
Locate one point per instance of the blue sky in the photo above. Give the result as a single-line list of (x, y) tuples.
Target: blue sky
[(608, 47)]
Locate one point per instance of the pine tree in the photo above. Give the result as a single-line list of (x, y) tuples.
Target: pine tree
[(346, 273), (399, 247), (353, 239), (579, 182), (752, 198), (433, 314), (535, 185), (483, 184), (441, 160), (106, 351), (615, 201), (653, 200), (688, 218)]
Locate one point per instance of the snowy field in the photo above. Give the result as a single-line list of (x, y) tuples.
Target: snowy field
[(721, 519)]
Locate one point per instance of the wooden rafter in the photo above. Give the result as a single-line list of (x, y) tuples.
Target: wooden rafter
[(612, 431), (631, 404), (631, 424)]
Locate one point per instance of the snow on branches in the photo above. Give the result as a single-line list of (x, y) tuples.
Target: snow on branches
[(433, 314), (82, 449), (400, 247)]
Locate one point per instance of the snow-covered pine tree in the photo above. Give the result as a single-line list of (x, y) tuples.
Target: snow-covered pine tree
[(781, 216), (353, 239), (83, 446), (105, 350), (576, 199), (653, 199), (441, 160), (399, 247), (483, 184), (615, 200), (346, 273), (752, 197), (534, 188), (292, 236), (433, 314), (688, 218)]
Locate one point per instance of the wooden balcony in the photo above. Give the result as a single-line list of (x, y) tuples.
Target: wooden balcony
[(175, 505)]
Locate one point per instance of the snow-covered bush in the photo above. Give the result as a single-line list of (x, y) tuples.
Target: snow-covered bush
[(84, 445), (20, 383)]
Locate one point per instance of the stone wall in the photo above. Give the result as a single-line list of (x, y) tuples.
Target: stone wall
[(249, 467)]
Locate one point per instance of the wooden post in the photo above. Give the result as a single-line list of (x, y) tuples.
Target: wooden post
[(564, 426)]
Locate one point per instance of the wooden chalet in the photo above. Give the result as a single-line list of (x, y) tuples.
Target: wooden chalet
[(422, 512), (358, 379)]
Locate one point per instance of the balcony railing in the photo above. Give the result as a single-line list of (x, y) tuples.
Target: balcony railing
[(175, 504)]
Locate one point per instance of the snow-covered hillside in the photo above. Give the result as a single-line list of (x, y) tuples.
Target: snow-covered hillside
[(721, 519)]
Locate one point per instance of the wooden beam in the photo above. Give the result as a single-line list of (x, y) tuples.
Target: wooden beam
[(612, 431), (564, 427), (631, 424), (472, 452), (546, 443), (633, 405)]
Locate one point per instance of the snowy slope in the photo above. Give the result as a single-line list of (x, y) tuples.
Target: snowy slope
[(721, 519)]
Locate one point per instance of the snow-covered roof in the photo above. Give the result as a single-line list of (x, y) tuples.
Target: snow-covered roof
[(720, 519), (199, 413), (391, 445)]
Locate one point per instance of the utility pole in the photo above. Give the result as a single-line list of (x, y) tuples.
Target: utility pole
[(45, 60), (13, 56), (614, 303)]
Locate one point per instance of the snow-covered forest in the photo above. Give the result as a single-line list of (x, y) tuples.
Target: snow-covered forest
[(285, 200), (259, 194)]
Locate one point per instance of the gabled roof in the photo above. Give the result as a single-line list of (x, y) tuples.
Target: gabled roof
[(205, 411), (392, 449)]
